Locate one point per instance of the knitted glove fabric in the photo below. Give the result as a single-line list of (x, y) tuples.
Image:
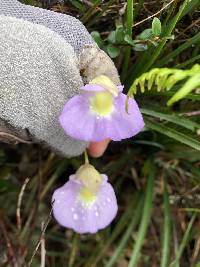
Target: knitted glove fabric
[(38, 72)]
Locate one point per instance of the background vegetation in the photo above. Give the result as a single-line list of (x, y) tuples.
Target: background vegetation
[(156, 175)]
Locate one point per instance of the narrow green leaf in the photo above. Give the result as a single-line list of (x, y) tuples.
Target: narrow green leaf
[(186, 123), (184, 242), (166, 230), (172, 133), (179, 49), (126, 235)]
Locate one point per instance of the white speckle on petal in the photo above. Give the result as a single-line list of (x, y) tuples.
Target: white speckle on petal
[(57, 201), (75, 216), (62, 192), (108, 199), (96, 213), (72, 209)]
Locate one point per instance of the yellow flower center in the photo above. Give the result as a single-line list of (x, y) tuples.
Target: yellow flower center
[(86, 195), (102, 103)]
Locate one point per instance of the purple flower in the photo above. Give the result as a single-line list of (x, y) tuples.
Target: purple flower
[(99, 113), (86, 203)]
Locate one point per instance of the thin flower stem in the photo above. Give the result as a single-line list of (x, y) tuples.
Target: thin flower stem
[(86, 157)]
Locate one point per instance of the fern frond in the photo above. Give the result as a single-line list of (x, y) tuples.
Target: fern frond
[(165, 79)]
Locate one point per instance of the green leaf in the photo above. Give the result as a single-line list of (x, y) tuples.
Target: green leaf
[(191, 84), (97, 37), (146, 34), (112, 37), (112, 51), (156, 27)]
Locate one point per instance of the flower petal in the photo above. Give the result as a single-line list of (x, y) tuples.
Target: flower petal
[(64, 199), (76, 119), (125, 125)]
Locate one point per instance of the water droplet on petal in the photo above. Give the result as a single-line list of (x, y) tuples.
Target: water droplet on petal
[(108, 199), (75, 216)]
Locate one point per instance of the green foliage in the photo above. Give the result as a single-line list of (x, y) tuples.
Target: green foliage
[(156, 27), (166, 79)]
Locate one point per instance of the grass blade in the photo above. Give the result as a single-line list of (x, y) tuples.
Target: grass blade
[(126, 236), (186, 123), (145, 218), (177, 51), (129, 25), (183, 244), (172, 133), (166, 231)]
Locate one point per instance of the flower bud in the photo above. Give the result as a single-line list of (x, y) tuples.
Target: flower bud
[(106, 83), (90, 177)]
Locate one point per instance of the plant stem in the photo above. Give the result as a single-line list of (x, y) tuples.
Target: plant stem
[(86, 157), (129, 24)]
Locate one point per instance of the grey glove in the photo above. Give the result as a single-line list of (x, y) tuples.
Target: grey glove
[(40, 70)]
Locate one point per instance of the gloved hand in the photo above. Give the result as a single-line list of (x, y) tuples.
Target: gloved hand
[(40, 69)]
